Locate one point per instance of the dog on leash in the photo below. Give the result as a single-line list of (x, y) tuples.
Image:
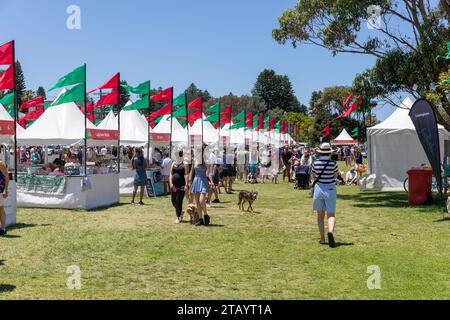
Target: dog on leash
[(247, 196), (192, 212)]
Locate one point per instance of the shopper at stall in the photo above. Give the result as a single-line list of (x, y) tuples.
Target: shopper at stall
[(166, 165), (4, 182), (140, 178)]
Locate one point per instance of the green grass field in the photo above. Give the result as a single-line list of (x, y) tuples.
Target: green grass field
[(134, 252)]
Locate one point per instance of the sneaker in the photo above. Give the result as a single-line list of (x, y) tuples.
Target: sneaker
[(216, 200), (331, 240), (207, 219), (197, 223), (141, 203), (208, 206), (2, 232)]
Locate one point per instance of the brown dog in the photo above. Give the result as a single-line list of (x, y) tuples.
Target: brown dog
[(247, 196), (192, 212)]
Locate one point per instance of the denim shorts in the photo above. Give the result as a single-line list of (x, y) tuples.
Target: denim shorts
[(324, 198)]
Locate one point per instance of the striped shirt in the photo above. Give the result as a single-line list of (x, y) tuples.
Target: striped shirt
[(331, 169)]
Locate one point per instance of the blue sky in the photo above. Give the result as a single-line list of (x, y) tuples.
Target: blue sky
[(219, 45)]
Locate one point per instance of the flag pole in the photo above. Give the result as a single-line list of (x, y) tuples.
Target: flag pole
[(171, 123), (15, 109), (201, 115), (218, 141), (118, 122), (85, 123), (148, 124), (187, 121), (229, 126)]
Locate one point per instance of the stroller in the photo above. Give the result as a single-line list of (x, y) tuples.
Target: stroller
[(302, 175), (252, 173)]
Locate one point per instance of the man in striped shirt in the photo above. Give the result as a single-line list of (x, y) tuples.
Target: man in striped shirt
[(324, 172)]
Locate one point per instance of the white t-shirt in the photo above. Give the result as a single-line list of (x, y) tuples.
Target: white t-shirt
[(350, 177), (166, 164)]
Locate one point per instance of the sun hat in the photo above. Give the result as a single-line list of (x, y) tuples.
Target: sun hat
[(324, 149)]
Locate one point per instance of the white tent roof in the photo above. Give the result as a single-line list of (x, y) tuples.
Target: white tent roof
[(5, 116), (394, 148), (109, 122), (133, 131), (62, 124), (179, 133), (344, 138), (210, 134)]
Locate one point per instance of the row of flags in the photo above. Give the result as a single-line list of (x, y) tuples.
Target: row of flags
[(179, 108)]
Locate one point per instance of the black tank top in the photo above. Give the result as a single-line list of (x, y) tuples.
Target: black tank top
[(178, 179)]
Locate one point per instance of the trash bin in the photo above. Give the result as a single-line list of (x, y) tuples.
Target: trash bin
[(419, 185)]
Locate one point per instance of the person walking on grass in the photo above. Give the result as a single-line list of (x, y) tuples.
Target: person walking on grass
[(4, 182), (324, 171), (140, 178), (200, 188), (178, 177)]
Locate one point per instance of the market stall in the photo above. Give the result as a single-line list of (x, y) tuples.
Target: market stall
[(344, 139), (7, 140), (69, 186)]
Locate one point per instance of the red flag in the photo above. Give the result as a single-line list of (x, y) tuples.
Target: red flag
[(348, 99), (292, 129), (197, 103), (111, 98), (7, 79), (90, 117), (90, 108), (167, 109), (326, 131), (351, 109), (164, 95), (226, 119), (226, 111), (260, 122), (110, 84), (6, 53), (271, 124), (249, 120), (32, 103), (194, 116)]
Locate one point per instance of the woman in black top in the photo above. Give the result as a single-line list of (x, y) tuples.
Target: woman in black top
[(178, 178)]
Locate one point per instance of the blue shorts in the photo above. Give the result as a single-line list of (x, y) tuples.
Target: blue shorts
[(324, 198)]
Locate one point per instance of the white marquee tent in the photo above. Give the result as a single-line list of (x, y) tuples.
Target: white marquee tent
[(394, 148), (62, 124), (344, 139)]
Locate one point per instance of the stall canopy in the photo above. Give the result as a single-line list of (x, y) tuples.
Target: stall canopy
[(133, 131), (394, 148), (64, 125), (109, 122), (7, 126), (161, 133), (344, 139), (210, 134)]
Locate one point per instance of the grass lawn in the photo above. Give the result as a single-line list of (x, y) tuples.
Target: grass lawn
[(134, 252)]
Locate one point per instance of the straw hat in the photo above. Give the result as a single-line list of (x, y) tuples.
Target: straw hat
[(325, 149)]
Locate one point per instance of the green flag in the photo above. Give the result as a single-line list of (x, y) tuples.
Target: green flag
[(238, 125), (255, 121), (143, 88), (10, 110), (74, 94), (239, 116), (178, 114), (213, 118), (74, 77), (355, 132), (215, 108), (143, 103), (266, 123), (7, 99), (278, 125), (180, 101)]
